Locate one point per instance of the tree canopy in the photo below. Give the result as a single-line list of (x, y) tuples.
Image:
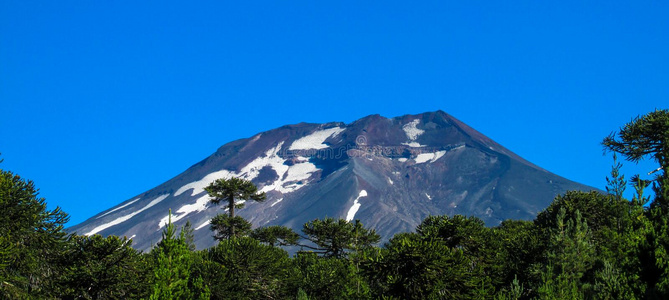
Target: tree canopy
[(231, 190), (646, 135)]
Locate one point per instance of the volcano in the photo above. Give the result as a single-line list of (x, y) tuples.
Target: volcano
[(390, 173)]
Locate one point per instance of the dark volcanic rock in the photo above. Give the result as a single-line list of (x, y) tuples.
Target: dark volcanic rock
[(389, 173)]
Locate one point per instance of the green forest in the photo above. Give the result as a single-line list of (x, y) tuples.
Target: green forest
[(585, 245)]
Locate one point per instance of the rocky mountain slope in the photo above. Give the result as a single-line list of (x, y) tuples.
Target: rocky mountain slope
[(389, 173)]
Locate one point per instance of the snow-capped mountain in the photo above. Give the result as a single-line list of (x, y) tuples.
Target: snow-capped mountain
[(389, 173)]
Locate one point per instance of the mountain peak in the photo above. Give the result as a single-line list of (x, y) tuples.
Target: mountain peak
[(388, 172)]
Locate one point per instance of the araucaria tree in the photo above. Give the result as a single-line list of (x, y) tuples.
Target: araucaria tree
[(231, 190), (335, 237), (31, 238), (646, 136)]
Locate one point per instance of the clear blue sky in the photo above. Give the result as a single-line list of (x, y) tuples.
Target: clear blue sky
[(103, 100)]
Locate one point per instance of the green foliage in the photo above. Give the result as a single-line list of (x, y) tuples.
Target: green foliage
[(31, 238), (570, 255), (410, 267), (610, 284), (188, 236), (647, 136), (173, 261), (611, 221), (335, 238), (328, 277), (276, 235), (513, 292), (301, 295), (226, 227), (594, 207), (243, 268), (477, 242), (457, 231), (644, 136), (655, 256), (616, 184), (640, 186), (102, 268), (7, 253), (520, 247), (231, 190)]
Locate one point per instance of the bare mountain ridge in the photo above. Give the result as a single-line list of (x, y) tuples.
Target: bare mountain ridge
[(389, 173)]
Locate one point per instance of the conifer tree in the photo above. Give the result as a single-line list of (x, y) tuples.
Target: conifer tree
[(172, 272), (276, 235), (328, 277), (472, 236), (647, 136), (231, 190), (335, 238), (226, 227), (31, 238), (99, 267), (615, 185), (411, 267), (243, 268), (570, 256)]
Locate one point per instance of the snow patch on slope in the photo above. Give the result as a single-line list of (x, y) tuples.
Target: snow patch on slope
[(128, 216), (115, 209), (203, 225), (316, 140), (290, 179), (276, 202), (271, 159), (356, 205), (198, 186), (429, 157), (411, 130), (199, 205), (413, 144)]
